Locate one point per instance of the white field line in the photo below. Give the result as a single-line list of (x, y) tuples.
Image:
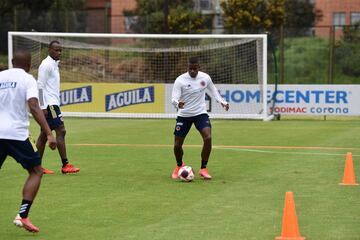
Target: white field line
[(281, 152), (214, 146), (258, 149)]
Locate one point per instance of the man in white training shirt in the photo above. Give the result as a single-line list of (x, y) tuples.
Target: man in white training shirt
[(18, 92), (188, 96), (49, 95)]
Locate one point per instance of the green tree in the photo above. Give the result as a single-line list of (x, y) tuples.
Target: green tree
[(252, 16), (7, 6), (259, 15), (164, 16), (8, 20), (301, 13), (300, 16), (347, 52), (39, 15)]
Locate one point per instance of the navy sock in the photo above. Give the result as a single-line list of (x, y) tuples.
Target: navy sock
[(25, 208), (64, 161), (179, 162), (203, 164)]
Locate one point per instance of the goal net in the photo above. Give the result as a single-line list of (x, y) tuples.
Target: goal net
[(131, 75)]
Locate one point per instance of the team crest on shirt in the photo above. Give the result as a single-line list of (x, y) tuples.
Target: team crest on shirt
[(202, 83)]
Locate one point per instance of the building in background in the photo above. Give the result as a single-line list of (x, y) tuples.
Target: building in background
[(336, 13), (106, 16), (212, 8), (97, 11)]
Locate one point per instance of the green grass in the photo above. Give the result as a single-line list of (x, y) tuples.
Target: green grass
[(126, 193), (3, 60)]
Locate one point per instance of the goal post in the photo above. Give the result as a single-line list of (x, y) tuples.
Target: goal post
[(131, 75)]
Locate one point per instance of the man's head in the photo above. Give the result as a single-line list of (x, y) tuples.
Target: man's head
[(22, 59), (55, 50), (193, 66)]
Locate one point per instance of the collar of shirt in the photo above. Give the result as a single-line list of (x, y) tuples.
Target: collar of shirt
[(53, 61)]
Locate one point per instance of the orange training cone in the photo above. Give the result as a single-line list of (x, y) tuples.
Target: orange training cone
[(349, 175), (290, 229)]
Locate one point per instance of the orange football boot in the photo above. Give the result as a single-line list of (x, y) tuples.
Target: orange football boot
[(174, 174), (25, 223), (69, 168), (47, 171), (205, 174)]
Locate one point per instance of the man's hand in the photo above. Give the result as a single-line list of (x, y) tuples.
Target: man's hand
[(181, 104), (226, 106), (51, 142)]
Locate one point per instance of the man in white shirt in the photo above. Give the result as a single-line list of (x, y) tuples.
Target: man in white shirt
[(18, 92), (188, 96), (49, 95)]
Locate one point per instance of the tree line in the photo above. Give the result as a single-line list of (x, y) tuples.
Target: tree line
[(158, 16)]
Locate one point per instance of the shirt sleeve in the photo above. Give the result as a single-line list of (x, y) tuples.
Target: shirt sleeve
[(176, 93), (215, 92), (32, 90), (42, 78)]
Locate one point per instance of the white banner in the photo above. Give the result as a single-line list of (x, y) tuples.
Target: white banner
[(290, 99), (317, 99)]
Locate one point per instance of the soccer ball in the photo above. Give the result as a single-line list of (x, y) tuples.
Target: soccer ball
[(186, 174)]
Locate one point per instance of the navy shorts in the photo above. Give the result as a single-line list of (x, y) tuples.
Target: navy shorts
[(54, 117), (183, 124), (24, 152)]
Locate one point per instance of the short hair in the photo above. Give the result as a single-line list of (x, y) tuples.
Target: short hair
[(193, 60), (53, 42), (22, 59)]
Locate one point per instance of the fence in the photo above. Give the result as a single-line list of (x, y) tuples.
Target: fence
[(321, 55)]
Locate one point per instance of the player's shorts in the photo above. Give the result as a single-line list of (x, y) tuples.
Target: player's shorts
[(54, 117), (183, 124), (24, 152)]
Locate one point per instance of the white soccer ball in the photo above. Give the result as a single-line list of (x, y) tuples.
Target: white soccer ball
[(186, 174)]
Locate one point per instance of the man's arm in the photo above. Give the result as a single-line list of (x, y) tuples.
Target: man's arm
[(217, 96), (40, 119), (176, 94), (41, 83)]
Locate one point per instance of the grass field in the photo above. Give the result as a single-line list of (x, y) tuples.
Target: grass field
[(124, 190)]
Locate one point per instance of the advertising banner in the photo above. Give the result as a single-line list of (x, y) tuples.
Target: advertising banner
[(290, 99), (243, 99), (317, 99), (112, 97)]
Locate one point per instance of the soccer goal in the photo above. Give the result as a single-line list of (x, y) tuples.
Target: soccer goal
[(131, 75)]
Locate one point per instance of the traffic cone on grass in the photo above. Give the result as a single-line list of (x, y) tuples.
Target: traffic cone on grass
[(349, 175), (290, 228)]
